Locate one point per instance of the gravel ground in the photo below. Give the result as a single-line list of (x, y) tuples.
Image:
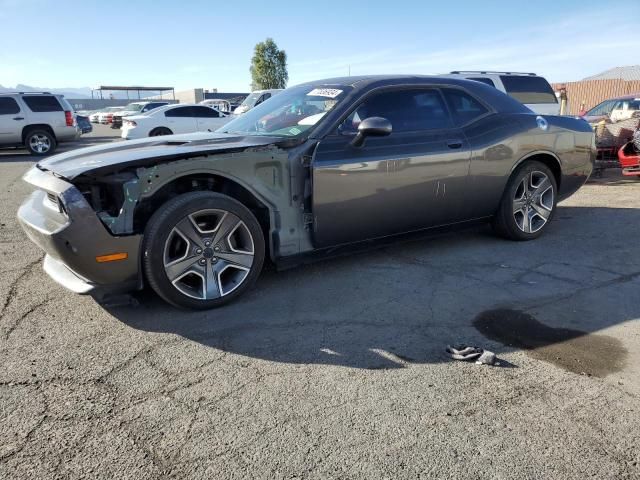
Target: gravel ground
[(338, 370)]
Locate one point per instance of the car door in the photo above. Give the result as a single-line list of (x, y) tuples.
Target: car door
[(412, 179), (12, 120), (208, 119), (180, 120)]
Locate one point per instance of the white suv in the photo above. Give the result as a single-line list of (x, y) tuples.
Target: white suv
[(528, 88), (254, 99), (39, 121)]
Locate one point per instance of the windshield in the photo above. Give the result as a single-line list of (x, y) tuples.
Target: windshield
[(134, 107), (250, 100), (603, 108), (290, 113)]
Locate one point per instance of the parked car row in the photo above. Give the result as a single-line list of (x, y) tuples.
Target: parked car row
[(104, 115), (173, 119), (154, 118), (135, 108)]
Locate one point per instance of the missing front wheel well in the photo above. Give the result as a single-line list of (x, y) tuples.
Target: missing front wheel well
[(193, 183)]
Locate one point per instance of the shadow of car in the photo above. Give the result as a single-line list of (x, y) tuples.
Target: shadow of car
[(403, 304)]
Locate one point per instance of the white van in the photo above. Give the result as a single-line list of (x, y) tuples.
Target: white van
[(528, 88), (254, 99)]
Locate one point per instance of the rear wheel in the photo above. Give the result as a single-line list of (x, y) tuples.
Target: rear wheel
[(157, 132), (40, 142), (202, 250), (528, 203)]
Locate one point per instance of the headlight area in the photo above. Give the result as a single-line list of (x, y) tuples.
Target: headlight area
[(113, 198), (54, 202), (81, 253)]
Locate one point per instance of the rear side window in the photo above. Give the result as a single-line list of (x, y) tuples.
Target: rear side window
[(8, 106), (42, 103), (464, 108), (486, 81), (179, 112), (205, 112), (407, 110), (528, 89)]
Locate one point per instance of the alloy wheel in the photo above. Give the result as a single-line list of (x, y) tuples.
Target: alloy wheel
[(40, 143), (208, 254), (533, 202)]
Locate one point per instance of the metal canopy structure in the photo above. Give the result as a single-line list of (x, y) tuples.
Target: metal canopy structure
[(138, 89)]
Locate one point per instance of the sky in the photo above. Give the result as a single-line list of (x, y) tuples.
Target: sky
[(209, 44)]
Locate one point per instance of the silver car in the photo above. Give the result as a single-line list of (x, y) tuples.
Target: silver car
[(37, 121)]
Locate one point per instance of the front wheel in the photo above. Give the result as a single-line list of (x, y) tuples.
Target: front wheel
[(202, 250), (528, 203)]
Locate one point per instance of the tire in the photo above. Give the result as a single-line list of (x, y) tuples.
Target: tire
[(40, 142), (524, 214), (160, 131), (202, 250)]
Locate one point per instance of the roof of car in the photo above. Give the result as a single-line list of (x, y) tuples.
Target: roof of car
[(365, 80), (163, 108), (148, 101), (626, 97)]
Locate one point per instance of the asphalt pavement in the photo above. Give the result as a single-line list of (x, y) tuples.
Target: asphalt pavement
[(338, 369)]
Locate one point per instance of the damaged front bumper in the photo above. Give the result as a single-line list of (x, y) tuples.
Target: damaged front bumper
[(59, 220)]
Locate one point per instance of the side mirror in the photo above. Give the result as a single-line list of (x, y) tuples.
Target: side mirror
[(372, 127)]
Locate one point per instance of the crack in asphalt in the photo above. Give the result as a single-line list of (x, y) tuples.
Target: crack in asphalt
[(24, 315), (13, 287), (32, 431)]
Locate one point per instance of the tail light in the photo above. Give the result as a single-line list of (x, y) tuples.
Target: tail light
[(68, 118)]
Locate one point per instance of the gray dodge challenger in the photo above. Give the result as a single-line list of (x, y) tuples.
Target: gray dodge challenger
[(320, 167)]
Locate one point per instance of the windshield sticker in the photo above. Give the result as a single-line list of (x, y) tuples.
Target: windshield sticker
[(294, 131), (324, 92)]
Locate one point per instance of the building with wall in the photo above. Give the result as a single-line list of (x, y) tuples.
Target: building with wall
[(590, 91)]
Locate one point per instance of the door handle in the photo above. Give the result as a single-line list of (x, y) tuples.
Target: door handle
[(18, 118), (454, 143)]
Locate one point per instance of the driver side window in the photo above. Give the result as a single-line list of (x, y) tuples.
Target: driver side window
[(407, 110)]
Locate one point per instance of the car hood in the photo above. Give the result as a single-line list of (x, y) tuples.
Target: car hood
[(149, 150), (594, 118)]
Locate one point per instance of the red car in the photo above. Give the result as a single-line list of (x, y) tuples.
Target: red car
[(629, 157)]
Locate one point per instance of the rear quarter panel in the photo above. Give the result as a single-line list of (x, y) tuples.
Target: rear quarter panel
[(502, 142)]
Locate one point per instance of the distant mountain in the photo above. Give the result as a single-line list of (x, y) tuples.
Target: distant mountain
[(83, 92)]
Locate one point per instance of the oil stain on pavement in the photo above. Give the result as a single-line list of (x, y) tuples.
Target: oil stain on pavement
[(574, 350)]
